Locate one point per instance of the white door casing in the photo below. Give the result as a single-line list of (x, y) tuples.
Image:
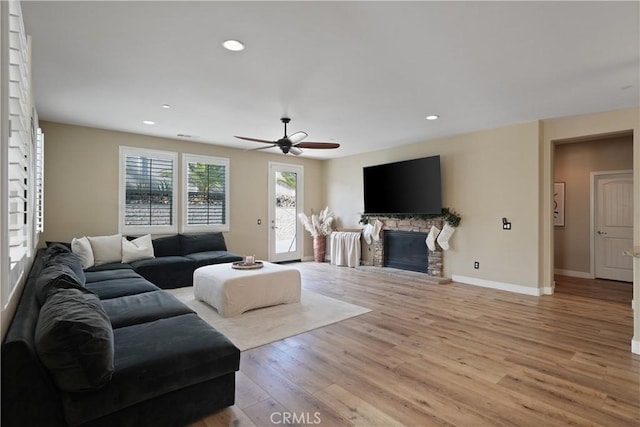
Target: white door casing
[(613, 225)]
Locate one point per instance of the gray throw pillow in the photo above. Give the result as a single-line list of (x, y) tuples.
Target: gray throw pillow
[(74, 340)]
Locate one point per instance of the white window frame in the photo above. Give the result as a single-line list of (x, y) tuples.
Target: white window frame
[(147, 229), (16, 153), (218, 161)]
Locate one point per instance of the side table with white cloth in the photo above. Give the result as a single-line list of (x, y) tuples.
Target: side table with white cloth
[(345, 248)]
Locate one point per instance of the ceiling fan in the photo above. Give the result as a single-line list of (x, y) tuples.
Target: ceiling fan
[(291, 143)]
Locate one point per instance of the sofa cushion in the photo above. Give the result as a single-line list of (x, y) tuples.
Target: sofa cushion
[(163, 356), (53, 277), (106, 249), (101, 275), (82, 248), (141, 308), (137, 249), (115, 288), (167, 246), (192, 243), (74, 340), (110, 266), (166, 272), (59, 253), (213, 257), (61, 269), (51, 243), (69, 260)]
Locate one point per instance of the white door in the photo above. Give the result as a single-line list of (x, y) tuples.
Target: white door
[(286, 184), (613, 226)]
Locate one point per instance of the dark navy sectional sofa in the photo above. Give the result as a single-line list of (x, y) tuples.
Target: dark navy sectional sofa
[(107, 347), (176, 257)]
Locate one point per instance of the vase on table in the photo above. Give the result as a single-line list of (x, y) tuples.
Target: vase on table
[(319, 248)]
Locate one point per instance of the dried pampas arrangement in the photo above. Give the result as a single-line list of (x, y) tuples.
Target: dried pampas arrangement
[(318, 224)]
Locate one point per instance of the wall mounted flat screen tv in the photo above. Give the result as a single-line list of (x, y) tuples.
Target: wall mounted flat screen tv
[(407, 187)]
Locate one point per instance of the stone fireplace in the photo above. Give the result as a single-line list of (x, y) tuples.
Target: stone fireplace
[(414, 232)]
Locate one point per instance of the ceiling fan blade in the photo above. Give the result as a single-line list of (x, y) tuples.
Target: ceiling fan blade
[(295, 151), (297, 137), (263, 148), (255, 140), (318, 145)]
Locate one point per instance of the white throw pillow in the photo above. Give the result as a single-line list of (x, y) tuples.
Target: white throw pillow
[(106, 249), (137, 249), (82, 248)]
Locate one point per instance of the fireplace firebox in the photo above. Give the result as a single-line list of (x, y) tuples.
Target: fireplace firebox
[(406, 250)]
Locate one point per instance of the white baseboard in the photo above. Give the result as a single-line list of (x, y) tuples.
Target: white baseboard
[(571, 273), (497, 285), (635, 346), (549, 290)]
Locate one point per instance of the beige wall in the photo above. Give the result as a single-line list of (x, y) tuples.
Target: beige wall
[(573, 165), (81, 184), (486, 175)]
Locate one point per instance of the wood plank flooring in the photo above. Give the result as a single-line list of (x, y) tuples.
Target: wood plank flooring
[(447, 355)]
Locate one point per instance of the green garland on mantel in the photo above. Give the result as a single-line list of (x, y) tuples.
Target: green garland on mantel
[(450, 216)]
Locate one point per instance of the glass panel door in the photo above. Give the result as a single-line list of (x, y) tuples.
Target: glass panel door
[(285, 198)]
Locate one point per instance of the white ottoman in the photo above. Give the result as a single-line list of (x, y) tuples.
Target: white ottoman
[(233, 292)]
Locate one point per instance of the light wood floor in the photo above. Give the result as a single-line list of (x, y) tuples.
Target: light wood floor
[(447, 355)]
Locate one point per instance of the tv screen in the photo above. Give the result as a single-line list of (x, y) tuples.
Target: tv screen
[(408, 187)]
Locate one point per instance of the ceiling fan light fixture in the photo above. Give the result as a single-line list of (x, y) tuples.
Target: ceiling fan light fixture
[(433, 117), (233, 45), (295, 151), (297, 137)]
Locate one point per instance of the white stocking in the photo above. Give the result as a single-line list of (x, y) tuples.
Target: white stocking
[(445, 235), (377, 226), (431, 238), (366, 233)]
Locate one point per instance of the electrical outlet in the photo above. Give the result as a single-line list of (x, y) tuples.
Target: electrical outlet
[(476, 265)]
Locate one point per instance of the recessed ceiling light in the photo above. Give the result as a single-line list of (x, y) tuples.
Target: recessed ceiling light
[(167, 106), (233, 45), (148, 122), (433, 117)]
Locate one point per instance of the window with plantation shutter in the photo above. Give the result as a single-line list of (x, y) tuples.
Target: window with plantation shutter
[(18, 158), (148, 182), (206, 193)]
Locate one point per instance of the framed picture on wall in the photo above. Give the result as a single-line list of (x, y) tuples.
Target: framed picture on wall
[(558, 204)]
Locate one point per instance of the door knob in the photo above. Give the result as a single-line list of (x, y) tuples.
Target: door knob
[(602, 233)]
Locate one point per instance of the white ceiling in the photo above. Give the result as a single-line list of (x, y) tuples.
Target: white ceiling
[(364, 74)]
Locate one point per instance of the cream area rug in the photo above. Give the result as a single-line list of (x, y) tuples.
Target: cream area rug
[(265, 325)]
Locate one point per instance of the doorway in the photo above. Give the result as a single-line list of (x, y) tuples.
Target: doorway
[(286, 193), (578, 246)]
